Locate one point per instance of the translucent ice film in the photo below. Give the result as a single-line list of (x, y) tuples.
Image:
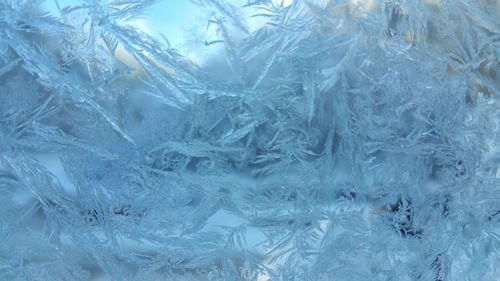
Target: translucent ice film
[(252, 140)]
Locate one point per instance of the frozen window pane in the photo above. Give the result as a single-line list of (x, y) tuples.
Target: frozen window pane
[(264, 140)]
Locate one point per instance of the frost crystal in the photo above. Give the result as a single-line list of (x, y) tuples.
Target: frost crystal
[(304, 140)]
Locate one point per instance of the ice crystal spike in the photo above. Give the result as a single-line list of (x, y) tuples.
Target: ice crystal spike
[(276, 140)]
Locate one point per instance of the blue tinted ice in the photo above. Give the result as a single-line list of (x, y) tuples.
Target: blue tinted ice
[(274, 140)]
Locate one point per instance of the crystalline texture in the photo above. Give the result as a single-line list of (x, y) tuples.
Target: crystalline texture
[(321, 140)]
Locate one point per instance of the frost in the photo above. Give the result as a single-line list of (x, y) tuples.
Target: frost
[(319, 140)]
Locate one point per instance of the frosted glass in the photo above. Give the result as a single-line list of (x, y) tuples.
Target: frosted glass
[(247, 140)]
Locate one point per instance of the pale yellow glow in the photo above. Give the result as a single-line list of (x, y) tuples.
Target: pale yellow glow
[(127, 58)]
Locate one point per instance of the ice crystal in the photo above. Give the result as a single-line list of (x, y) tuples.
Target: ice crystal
[(307, 140)]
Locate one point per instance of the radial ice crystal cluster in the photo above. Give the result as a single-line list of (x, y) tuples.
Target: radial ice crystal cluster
[(305, 140)]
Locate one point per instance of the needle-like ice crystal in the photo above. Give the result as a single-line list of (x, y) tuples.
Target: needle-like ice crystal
[(305, 140)]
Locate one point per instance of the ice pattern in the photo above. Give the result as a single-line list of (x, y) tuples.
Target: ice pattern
[(293, 140)]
